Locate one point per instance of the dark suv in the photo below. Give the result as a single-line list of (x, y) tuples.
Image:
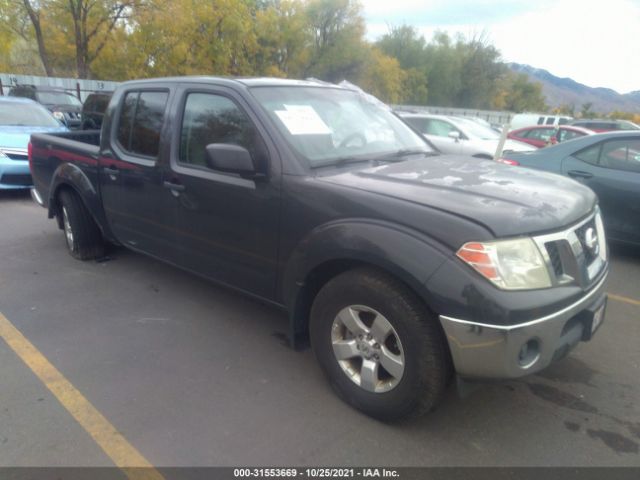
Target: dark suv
[(93, 110), (64, 105)]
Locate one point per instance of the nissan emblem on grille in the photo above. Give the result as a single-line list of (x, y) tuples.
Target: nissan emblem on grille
[(591, 240)]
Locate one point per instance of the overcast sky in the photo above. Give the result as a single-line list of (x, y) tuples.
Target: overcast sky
[(594, 42)]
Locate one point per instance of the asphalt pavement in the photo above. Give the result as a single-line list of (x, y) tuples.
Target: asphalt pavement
[(192, 374)]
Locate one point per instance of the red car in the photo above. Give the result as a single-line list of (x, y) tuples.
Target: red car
[(543, 135)]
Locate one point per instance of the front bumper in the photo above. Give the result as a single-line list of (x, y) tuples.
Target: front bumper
[(482, 350), (14, 174)]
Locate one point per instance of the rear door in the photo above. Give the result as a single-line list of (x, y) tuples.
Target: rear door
[(131, 171), (612, 170), (226, 226)]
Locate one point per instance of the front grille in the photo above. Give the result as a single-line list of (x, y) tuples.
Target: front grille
[(568, 256), (590, 255), (20, 179), (554, 256)]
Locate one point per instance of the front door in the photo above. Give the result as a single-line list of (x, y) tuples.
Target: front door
[(226, 226)]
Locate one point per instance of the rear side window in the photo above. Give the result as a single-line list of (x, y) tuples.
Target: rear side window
[(140, 122), (623, 154), (590, 154)]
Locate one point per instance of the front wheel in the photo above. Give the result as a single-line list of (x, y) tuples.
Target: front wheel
[(84, 238), (380, 347)]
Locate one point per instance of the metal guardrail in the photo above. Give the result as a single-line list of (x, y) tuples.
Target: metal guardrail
[(80, 87), (491, 116)]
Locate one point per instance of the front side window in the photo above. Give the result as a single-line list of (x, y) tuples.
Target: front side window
[(210, 118), (440, 128), (140, 122)]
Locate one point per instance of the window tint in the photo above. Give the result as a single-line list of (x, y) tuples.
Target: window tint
[(589, 154), (141, 121), (543, 134), (565, 135), (550, 120), (439, 128), (126, 119), (621, 154), (540, 120), (145, 134), (420, 124), (210, 119)]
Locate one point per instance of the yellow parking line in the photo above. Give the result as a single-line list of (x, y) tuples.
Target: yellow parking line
[(620, 298), (123, 454)]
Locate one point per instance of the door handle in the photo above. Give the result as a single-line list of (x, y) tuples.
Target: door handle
[(579, 174), (111, 171), (175, 187)]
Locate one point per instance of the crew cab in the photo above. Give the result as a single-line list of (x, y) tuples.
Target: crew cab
[(400, 265)]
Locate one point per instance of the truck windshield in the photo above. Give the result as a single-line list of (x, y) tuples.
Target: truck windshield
[(26, 115), (328, 125)]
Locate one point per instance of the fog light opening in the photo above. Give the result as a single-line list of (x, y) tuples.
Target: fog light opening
[(529, 353)]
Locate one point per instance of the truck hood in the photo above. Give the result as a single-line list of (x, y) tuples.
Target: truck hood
[(18, 136), (508, 201)]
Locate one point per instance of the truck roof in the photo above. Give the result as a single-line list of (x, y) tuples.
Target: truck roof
[(246, 81)]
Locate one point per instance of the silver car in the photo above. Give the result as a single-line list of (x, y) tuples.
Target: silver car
[(461, 136)]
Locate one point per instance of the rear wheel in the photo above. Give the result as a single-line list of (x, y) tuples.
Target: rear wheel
[(84, 239), (381, 349)]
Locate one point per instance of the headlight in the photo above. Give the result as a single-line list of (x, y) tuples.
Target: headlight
[(509, 264), (58, 116)]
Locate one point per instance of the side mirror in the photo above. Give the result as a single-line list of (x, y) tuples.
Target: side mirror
[(229, 158), (455, 135)]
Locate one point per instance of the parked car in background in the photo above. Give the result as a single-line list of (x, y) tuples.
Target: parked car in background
[(543, 136), (19, 118), (64, 105), (460, 136), (520, 120), (493, 126), (608, 163), (93, 109), (606, 125)]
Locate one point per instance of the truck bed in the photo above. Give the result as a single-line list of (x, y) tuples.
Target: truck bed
[(73, 151)]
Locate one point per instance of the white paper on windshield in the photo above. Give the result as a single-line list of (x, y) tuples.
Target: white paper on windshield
[(302, 120)]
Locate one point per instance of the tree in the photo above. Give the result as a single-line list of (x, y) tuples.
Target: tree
[(382, 77), (24, 18), (93, 23), (586, 112), (518, 94), (337, 44)]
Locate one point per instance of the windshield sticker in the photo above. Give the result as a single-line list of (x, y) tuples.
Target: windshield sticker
[(302, 120)]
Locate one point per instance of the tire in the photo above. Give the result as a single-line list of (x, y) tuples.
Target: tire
[(83, 237), (375, 300)]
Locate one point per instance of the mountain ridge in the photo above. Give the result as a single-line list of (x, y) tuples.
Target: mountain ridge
[(566, 91)]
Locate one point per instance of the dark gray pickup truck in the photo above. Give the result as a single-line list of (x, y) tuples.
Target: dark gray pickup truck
[(400, 265)]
